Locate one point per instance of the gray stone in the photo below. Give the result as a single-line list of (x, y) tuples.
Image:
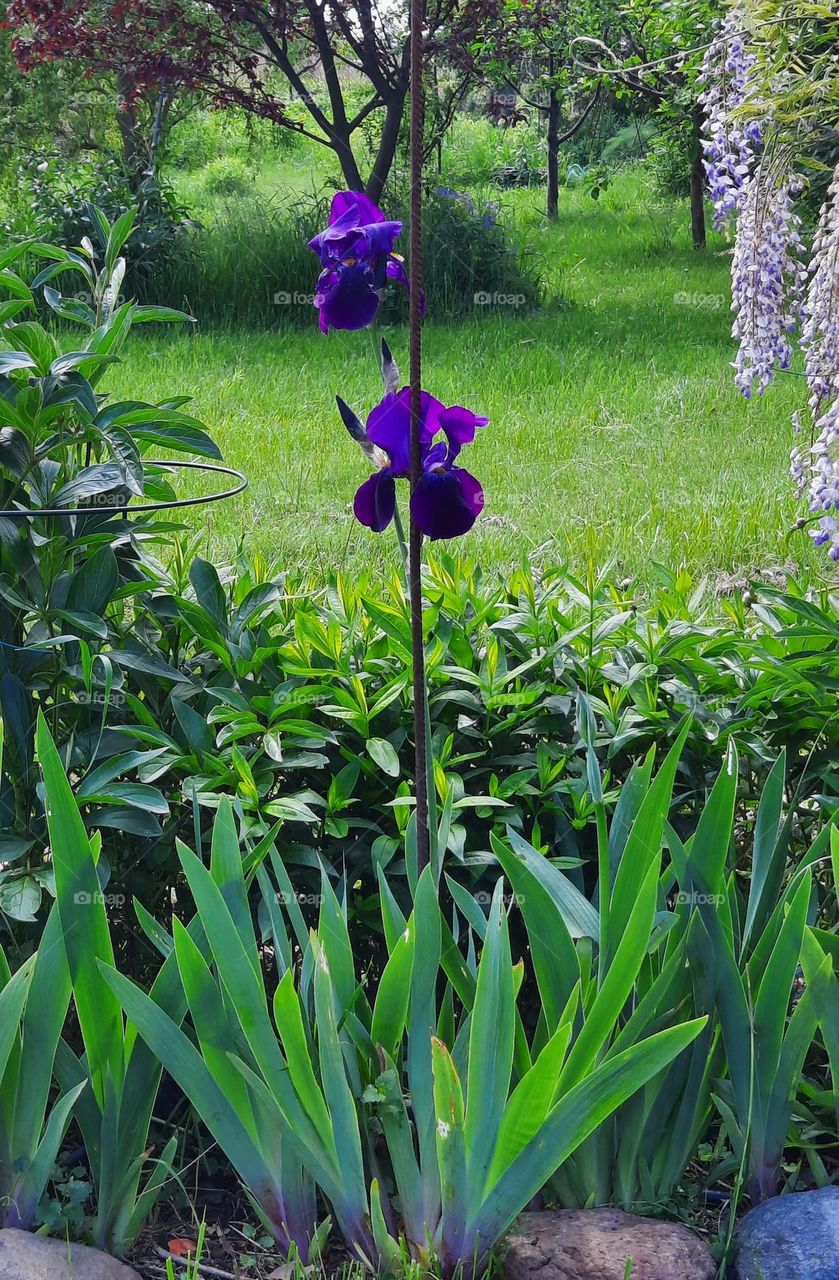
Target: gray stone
[(791, 1237), (596, 1244), (24, 1256)]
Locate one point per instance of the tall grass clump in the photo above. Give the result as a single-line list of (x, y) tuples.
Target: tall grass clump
[(250, 264)]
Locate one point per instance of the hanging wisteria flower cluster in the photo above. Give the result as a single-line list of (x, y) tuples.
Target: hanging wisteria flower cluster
[(732, 137), (753, 183), (819, 476), (756, 188), (768, 275), (357, 255)]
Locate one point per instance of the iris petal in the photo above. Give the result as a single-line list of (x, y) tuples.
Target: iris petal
[(346, 298), (389, 425), (445, 504), (358, 202), (375, 501), (380, 237), (460, 426), (347, 239), (397, 271)]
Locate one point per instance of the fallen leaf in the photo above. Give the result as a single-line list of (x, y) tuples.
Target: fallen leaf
[(180, 1246)]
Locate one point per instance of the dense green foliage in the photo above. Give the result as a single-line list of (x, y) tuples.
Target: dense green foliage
[(617, 980)]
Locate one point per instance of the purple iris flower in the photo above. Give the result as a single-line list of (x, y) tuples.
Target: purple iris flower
[(447, 499), (356, 253)]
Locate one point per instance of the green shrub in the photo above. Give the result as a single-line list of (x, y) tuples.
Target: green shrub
[(67, 581), (227, 176), (55, 203), (471, 259), (669, 160), (476, 151), (204, 136), (249, 264), (629, 143), (293, 700)]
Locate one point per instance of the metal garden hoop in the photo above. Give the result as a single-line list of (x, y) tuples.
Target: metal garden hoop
[(29, 513)]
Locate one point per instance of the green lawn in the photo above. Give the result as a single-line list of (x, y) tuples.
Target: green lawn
[(615, 427)]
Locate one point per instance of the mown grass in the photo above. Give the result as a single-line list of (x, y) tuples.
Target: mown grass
[(615, 427)]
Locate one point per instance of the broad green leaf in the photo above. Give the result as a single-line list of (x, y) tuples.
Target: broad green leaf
[(84, 924), (185, 1065), (491, 1037), (643, 845), (384, 754), (390, 1010), (12, 1000), (212, 1023), (336, 1090), (289, 1019), (620, 979), (452, 1145), (710, 844), (768, 855), (529, 1104), (571, 1121)]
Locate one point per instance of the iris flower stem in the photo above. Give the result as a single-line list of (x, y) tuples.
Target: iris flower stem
[(415, 332), (403, 545)]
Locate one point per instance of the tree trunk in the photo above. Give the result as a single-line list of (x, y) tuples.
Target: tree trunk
[(394, 111), (134, 159), (553, 151), (697, 188), (342, 146)]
